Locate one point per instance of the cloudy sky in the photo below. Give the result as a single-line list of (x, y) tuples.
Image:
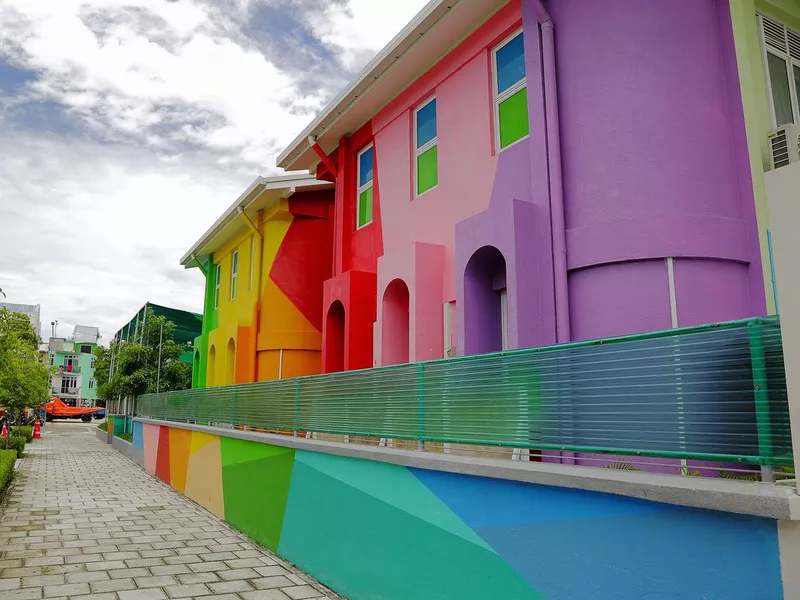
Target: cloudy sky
[(128, 126)]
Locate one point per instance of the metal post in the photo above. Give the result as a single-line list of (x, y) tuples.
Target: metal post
[(420, 407), (761, 397), (160, 338), (296, 407)]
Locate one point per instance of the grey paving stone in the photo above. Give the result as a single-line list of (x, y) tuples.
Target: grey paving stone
[(190, 578), (67, 589), (231, 587), (148, 594), (186, 591), (106, 525), (232, 574), (157, 581)]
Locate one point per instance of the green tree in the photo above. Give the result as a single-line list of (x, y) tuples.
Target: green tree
[(136, 364), (23, 378)]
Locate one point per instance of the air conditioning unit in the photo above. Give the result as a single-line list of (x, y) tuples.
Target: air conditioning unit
[(784, 145)]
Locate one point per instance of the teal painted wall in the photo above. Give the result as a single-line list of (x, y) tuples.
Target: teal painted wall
[(376, 531)]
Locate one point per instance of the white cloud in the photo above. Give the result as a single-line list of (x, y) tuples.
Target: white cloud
[(168, 110)]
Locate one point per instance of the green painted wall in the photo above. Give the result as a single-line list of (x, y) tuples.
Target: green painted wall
[(755, 100), (210, 321)]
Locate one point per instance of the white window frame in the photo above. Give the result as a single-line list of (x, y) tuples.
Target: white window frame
[(91, 384), (504, 319), (234, 273), (363, 188), (428, 145), (252, 259), (217, 277), (498, 98), (790, 78)]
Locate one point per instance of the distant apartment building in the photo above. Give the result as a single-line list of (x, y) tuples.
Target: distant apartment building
[(74, 361), (32, 311)]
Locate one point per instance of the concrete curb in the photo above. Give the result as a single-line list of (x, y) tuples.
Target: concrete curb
[(129, 450), (764, 500)]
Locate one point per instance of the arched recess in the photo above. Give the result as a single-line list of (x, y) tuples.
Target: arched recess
[(396, 327), (196, 369), (334, 338), (230, 363), (485, 302), (212, 366)]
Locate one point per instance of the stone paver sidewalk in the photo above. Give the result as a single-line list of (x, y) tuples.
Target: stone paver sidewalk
[(82, 521)]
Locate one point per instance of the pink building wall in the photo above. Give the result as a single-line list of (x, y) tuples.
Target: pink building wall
[(419, 233)]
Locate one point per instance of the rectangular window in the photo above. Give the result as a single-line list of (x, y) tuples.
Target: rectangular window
[(234, 273), (91, 384), (252, 259), (426, 151), (782, 62), (217, 279), (366, 168), (86, 349), (510, 91)]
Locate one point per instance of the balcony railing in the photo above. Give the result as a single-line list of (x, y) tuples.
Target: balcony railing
[(711, 393)]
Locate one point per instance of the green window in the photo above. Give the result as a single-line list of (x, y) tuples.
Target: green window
[(366, 168), (510, 91), (426, 153), (217, 278), (234, 273)]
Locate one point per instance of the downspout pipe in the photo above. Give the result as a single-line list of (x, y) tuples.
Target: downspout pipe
[(557, 222), (259, 248)]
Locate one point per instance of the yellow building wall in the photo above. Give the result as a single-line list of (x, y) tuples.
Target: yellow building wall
[(276, 342)]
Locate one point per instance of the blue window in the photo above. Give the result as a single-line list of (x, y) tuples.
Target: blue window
[(510, 63), (426, 123), (510, 92), (366, 161)]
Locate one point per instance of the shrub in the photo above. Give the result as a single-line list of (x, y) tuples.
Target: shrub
[(103, 426), (7, 458), (15, 442), (128, 437), (26, 432)]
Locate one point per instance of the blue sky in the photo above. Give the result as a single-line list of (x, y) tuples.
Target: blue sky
[(128, 126)]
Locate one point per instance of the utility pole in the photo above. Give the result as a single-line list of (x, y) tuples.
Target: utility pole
[(158, 377)]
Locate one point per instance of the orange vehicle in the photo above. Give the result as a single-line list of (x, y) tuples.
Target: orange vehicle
[(56, 409)]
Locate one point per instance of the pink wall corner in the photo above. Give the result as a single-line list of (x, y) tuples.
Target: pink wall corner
[(150, 437), (415, 225)]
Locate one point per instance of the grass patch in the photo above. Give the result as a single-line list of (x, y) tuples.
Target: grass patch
[(103, 426), (7, 458), (15, 443), (128, 437), (25, 431)]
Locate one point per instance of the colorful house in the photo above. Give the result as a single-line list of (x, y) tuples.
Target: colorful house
[(74, 360), (509, 175), (265, 261)]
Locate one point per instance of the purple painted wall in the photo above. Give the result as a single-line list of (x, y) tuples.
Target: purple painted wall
[(652, 144), (650, 164)]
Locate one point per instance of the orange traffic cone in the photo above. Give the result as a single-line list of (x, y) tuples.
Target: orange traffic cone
[(4, 432), (37, 430)]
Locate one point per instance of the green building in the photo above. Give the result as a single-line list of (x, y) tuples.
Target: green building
[(74, 360), (188, 326)]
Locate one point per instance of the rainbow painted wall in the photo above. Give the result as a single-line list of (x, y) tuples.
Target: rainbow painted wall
[(373, 530)]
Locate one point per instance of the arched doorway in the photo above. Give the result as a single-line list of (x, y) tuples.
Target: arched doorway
[(334, 338), (230, 363), (485, 302), (196, 369), (212, 366), (395, 327)]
